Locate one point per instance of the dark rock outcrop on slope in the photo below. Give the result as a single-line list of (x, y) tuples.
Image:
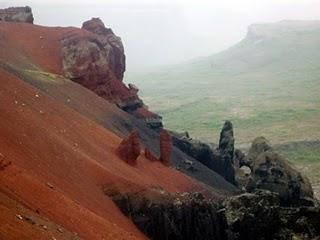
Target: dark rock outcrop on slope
[(273, 172), (240, 159), (256, 215), (259, 215), (226, 148), (202, 152), (174, 217), (220, 159), (16, 14), (253, 216)]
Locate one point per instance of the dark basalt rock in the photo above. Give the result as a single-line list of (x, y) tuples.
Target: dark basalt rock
[(253, 216), (256, 215), (226, 148), (240, 159), (273, 172), (218, 159), (259, 215), (183, 217)]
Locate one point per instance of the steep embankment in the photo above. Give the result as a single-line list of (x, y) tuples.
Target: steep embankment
[(61, 161), (41, 75), (58, 145), (268, 84)]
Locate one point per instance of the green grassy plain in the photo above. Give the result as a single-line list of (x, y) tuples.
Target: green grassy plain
[(268, 85)]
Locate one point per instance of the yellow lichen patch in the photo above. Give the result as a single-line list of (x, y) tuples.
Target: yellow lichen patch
[(45, 76)]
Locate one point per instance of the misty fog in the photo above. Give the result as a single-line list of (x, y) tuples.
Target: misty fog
[(166, 32)]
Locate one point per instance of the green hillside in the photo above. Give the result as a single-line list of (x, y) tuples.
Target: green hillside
[(267, 84)]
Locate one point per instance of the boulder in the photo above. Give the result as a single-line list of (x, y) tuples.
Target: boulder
[(273, 172), (129, 148), (253, 216), (16, 14)]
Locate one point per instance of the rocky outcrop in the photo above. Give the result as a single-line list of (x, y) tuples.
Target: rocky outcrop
[(218, 158), (96, 60), (117, 58), (200, 151), (240, 159), (259, 215), (273, 172), (173, 217), (253, 216), (165, 147), (16, 14), (186, 216), (129, 149), (226, 148)]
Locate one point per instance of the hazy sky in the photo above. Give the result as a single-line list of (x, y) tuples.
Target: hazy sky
[(157, 32)]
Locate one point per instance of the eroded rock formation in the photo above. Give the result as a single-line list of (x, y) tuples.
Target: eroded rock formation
[(96, 60), (218, 158), (16, 14), (226, 148), (273, 172), (165, 147), (117, 59), (129, 149)]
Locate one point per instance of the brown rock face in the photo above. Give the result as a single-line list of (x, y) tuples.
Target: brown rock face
[(129, 148), (117, 61), (96, 60), (149, 155), (165, 147), (16, 14)]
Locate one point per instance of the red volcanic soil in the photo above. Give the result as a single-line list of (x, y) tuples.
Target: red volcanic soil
[(60, 164), (18, 222), (31, 45)]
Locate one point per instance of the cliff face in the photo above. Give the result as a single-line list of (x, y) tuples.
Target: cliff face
[(96, 60)]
